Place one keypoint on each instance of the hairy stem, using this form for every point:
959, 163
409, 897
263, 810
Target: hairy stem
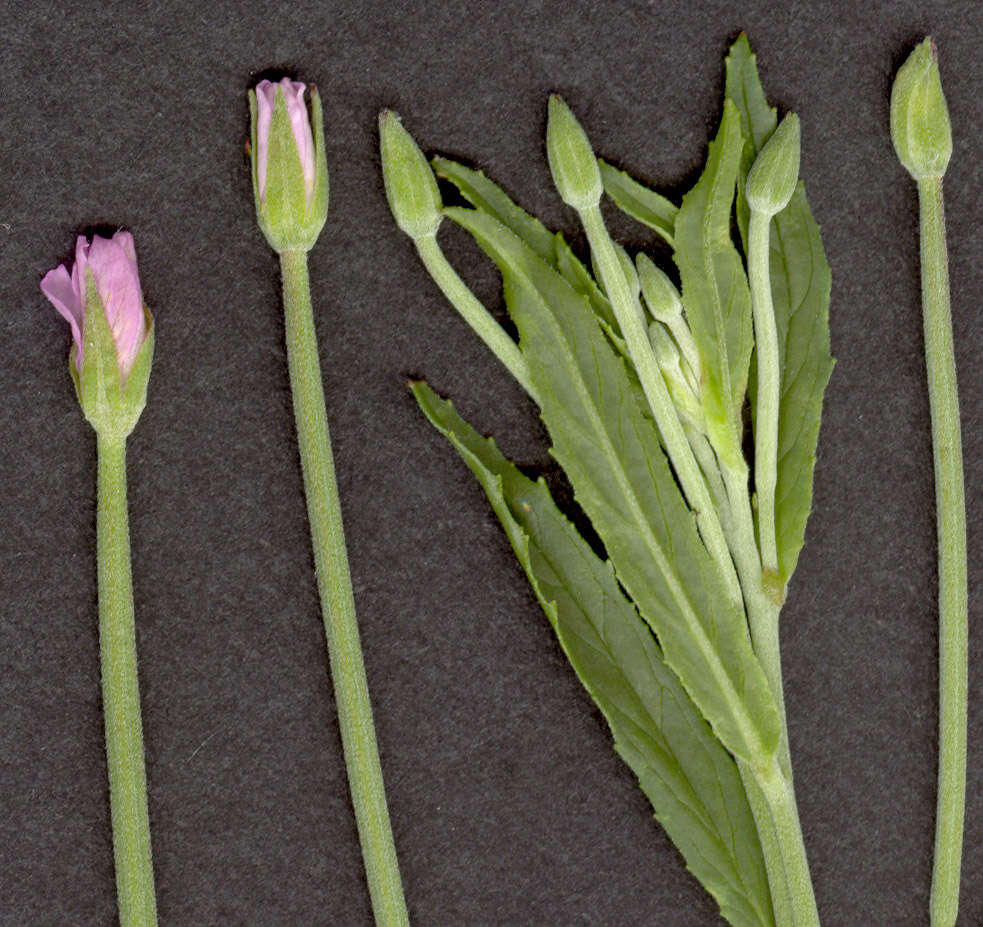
337, 600
778, 796
951, 525
121, 693
768, 387
473, 312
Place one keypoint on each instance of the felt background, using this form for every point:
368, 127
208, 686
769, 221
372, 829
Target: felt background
509, 806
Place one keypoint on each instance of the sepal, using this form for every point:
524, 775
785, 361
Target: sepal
111, 405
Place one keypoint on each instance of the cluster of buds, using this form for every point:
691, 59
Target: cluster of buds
673, 344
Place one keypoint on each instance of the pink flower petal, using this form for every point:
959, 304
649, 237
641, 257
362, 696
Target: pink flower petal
59, 288
265, 102
113, 265
300, 122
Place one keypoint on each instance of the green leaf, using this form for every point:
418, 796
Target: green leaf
573, 270
800, 288
714, 284
758, 119
488, 197
622, 479
693, 783
639, 202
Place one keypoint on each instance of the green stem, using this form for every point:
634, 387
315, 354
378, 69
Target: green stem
630, 318
778, 795
473, 312
951, 524
768, 387
762, 611
771, 849
121, 693
337, 601
705, 457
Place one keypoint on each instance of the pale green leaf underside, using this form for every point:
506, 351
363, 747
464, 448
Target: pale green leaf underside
692, 782
621, 478
638, 201
714, 284
800, 285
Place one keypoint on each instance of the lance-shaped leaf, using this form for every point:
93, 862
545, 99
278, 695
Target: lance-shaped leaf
639, 202
692, 782
489, 198
714, 284
621, 478
800, 288
758, 119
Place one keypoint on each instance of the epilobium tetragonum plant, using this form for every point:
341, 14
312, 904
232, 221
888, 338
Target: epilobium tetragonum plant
673, 629
922, 139
113, 344
290, 183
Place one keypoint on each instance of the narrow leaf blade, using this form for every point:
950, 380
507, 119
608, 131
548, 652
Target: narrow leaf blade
693, 783
489, 198
621, 478
800, 287
715, 290
638, 201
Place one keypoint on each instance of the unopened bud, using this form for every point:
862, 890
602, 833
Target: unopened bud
772, 178
670, 362
920, 127
411, 187
572, 163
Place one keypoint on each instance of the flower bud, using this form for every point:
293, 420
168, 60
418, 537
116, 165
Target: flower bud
670, 362
290, 173
665, 305
772, 178
920, 127
411, 187
661, 296
572, 163
112, 330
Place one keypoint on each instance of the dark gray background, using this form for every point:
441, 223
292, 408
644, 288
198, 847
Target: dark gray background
509, 806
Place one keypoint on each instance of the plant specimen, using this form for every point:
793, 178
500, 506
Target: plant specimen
923, 141
671, 616
290, 182
113, 346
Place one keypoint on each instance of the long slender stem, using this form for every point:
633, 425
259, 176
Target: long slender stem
337, 600
473, 312
629, 315
951, 525
121, 693
768, 389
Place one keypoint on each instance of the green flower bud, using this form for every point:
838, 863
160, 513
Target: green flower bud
772, 178
411, 187
665, 305
572, 163
920, 127
681, 392
290, 172
661, 296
